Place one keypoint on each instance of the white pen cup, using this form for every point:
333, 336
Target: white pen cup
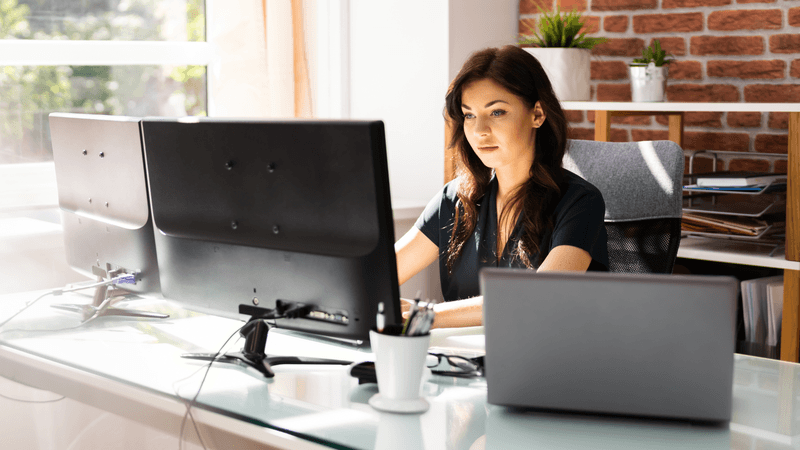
399, 366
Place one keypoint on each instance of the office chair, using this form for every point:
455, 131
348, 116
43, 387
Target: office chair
641, 183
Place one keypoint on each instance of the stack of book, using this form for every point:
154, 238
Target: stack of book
762, 311
752, 216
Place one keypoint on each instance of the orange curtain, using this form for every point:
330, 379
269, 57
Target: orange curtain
302, 83
279, 41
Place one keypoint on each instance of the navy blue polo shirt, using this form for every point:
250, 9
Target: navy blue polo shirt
578, 221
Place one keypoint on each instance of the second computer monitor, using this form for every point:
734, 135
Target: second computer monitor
102, 193
257, 212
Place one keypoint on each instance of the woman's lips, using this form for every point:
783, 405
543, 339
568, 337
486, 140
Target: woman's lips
488, 148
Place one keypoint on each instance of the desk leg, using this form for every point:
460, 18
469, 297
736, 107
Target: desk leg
790, 326
602, 126
676, 128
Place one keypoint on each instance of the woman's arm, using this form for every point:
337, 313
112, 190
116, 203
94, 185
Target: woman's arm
414, 252
469, 312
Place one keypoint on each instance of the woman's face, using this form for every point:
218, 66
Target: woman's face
498, 125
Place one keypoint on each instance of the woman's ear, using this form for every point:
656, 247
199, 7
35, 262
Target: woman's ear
539, 116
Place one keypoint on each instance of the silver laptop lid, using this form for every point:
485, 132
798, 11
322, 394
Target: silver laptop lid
633, 344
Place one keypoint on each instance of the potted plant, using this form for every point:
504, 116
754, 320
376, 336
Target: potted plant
563, 50
649, 74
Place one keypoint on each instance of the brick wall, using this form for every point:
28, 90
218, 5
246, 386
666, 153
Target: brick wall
725, 51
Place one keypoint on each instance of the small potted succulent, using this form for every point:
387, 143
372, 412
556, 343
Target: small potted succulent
563, 50
649, 74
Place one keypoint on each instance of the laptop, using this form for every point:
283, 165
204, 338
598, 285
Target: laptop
629, 344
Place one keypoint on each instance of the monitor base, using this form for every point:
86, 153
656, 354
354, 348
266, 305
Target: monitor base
255, 333
101, 306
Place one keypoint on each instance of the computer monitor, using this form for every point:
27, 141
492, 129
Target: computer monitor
266, 217
105, 211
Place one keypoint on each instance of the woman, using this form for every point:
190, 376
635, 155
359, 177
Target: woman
511, 204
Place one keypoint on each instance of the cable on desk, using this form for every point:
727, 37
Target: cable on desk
126, 278
191, 403
33, 401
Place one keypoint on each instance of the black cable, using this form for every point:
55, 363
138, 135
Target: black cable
191, 403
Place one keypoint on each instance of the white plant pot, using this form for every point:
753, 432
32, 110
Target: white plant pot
569, 70
648, 83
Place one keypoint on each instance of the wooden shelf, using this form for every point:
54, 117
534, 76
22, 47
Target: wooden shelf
734, 252
730, 251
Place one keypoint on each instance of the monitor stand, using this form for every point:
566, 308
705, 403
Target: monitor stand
101, 304
255, 333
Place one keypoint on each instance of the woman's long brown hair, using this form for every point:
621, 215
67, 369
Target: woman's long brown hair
520, 73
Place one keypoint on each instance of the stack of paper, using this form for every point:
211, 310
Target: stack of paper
739, 179
762, 308
716, 223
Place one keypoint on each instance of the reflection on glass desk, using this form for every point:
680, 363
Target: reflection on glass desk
133, 367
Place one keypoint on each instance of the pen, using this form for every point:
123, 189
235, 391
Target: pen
380, 319
412, 312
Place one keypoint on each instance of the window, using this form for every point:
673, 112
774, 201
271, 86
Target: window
120, 57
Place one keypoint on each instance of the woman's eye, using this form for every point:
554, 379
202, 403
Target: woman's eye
468, 116
498, 112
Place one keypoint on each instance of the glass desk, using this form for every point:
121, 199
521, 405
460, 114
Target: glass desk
132, 368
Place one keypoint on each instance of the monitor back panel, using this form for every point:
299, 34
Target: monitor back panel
249, 212
647, 345
102, 193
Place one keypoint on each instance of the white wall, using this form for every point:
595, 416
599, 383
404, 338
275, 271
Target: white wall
398, 73
476, 24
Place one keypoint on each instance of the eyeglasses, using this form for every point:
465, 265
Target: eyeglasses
459, 366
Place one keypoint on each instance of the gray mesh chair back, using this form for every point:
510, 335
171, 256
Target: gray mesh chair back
641, 183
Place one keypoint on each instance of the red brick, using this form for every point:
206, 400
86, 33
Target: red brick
745, 19
698, 140
618, 135
781, 166
669, 4
574, 116
649, 135
570, 5
772, 93
532, 6
615, 24
744, 119
702, 93
778, 120
784, 43
697, 119
621, 5
755, 1
756, 165
674, 46
620, 47
586, 134
726, 45
609, 70
794, 17
702, 165
613, 92
632, 120
772, 143
658, 23
592, 24
794, 69
774, 69
685, 70
527, 26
